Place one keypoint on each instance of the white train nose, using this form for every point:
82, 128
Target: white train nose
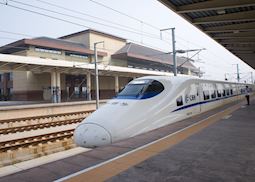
91, 135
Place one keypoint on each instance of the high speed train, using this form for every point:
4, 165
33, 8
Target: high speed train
151, 102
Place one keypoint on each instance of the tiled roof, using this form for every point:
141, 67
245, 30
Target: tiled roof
52, 43
95, 32
145, 53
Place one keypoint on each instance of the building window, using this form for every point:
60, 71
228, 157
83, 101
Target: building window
77, 90
9, 76
52, 51
84, 90
9, 91
82, 56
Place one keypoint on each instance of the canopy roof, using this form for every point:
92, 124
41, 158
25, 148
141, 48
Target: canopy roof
229, 22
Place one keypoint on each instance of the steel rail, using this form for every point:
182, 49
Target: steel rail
35, 140
39, 126
43, 117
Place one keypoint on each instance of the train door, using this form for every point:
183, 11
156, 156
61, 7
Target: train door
199, 96
192, 99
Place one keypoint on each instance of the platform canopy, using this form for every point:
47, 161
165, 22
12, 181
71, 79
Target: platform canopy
229, 22
40, 65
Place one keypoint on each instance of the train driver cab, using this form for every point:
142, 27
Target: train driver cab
141, 89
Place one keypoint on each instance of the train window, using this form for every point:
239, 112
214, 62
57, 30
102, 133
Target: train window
227, 92
141, 89
220, 88
153, 89
179, 101
213, 95
231, 92
224, 93
218, 93
206, 95
133, 89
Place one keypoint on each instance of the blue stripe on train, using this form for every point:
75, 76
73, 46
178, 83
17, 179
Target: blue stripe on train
203, 102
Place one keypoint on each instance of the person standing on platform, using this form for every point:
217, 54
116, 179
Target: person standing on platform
247, 95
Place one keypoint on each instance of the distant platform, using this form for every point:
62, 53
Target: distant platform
217, 145
13, 103
224, 151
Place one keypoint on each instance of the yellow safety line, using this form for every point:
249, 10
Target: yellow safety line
114, 167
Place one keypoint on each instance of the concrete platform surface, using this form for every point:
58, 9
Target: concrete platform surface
200, 155
13, 103
224, 151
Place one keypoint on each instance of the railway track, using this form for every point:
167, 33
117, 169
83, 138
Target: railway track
39, 126
24, 138
35, 140
46, 117
40, 122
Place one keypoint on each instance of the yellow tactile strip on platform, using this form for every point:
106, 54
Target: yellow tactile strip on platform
121, 163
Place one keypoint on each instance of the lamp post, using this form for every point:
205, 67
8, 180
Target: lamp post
96, 73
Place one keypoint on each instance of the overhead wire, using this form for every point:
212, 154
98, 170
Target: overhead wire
28, 35
53, 17
83, 19
8, 32
89, 47
124, 14
7, 38
87, 15
117, 11
42, 14
227, 65
139, 33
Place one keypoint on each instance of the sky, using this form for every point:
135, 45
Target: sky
138, 21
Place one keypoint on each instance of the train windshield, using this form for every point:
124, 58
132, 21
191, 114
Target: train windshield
141, 89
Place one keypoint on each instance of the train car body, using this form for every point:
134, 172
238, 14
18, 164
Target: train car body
151, 102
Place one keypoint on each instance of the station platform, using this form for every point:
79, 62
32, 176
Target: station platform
217, 145
15, 103
224, 151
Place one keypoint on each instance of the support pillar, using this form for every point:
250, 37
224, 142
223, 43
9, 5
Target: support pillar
88, 86
58, 86
117, 85
189, 72
53, 87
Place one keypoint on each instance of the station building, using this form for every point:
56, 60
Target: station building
35, 83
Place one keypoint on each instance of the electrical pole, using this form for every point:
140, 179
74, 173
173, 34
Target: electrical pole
238, 74
173, 46
251, 77
174, 52
96, 73
199, 73
226, 77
